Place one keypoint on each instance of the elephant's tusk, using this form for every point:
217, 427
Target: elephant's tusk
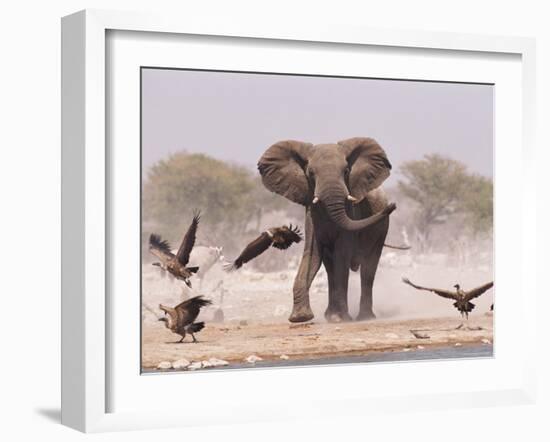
352, 199
315, 200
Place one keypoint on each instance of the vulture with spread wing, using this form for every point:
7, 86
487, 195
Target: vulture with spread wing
461, 297
279, 237
181, 318
176, 264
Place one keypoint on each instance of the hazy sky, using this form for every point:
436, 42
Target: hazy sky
235, 116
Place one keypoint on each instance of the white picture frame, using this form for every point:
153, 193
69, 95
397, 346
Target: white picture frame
85, 212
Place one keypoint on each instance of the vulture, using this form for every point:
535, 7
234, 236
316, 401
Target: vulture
180, 319
176, 264
461, 297
279, 237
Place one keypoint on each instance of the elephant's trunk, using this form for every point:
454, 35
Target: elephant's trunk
334, 201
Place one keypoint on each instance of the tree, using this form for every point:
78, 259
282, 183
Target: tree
443, 189
185, 182
436, 184
231, 198
478, 204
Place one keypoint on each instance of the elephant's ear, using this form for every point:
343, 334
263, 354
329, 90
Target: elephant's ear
368, 163
282, 168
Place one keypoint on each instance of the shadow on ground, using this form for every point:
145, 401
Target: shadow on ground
51, 414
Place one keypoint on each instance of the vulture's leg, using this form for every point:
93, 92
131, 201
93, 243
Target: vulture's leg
309, 266
193, 336
182, 336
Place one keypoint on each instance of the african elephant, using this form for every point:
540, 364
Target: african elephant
346, 218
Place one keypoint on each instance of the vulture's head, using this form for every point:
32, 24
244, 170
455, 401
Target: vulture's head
166, 321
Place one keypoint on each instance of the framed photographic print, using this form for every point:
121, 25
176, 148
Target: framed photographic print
257, 213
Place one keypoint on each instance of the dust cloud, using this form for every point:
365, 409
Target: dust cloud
254, 294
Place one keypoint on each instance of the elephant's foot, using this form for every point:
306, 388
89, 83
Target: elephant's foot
367, 315
301, 314
335, 316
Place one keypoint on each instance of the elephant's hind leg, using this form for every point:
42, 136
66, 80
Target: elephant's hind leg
368, 272
309, 266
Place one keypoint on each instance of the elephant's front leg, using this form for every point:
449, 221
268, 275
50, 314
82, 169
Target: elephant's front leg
309, 266
337, 264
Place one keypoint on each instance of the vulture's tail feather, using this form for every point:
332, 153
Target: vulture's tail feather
195, 327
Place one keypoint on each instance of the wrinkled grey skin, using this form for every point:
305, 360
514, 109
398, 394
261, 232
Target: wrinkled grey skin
339, 234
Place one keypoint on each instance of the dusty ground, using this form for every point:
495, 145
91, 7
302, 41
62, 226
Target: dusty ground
235, 342
256, 306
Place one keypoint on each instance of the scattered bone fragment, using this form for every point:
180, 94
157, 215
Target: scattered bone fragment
181, 364
195, 365
419, 335
252, 359
215, 362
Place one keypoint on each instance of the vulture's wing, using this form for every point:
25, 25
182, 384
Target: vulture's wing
160, 248
170, 312
165, 309
188, 240
285, 236
194, 302
189, 310
478, 291
440, 292
253, 249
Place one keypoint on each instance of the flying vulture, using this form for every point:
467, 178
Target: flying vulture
279, 237
180, 319
461, 297
176, 264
